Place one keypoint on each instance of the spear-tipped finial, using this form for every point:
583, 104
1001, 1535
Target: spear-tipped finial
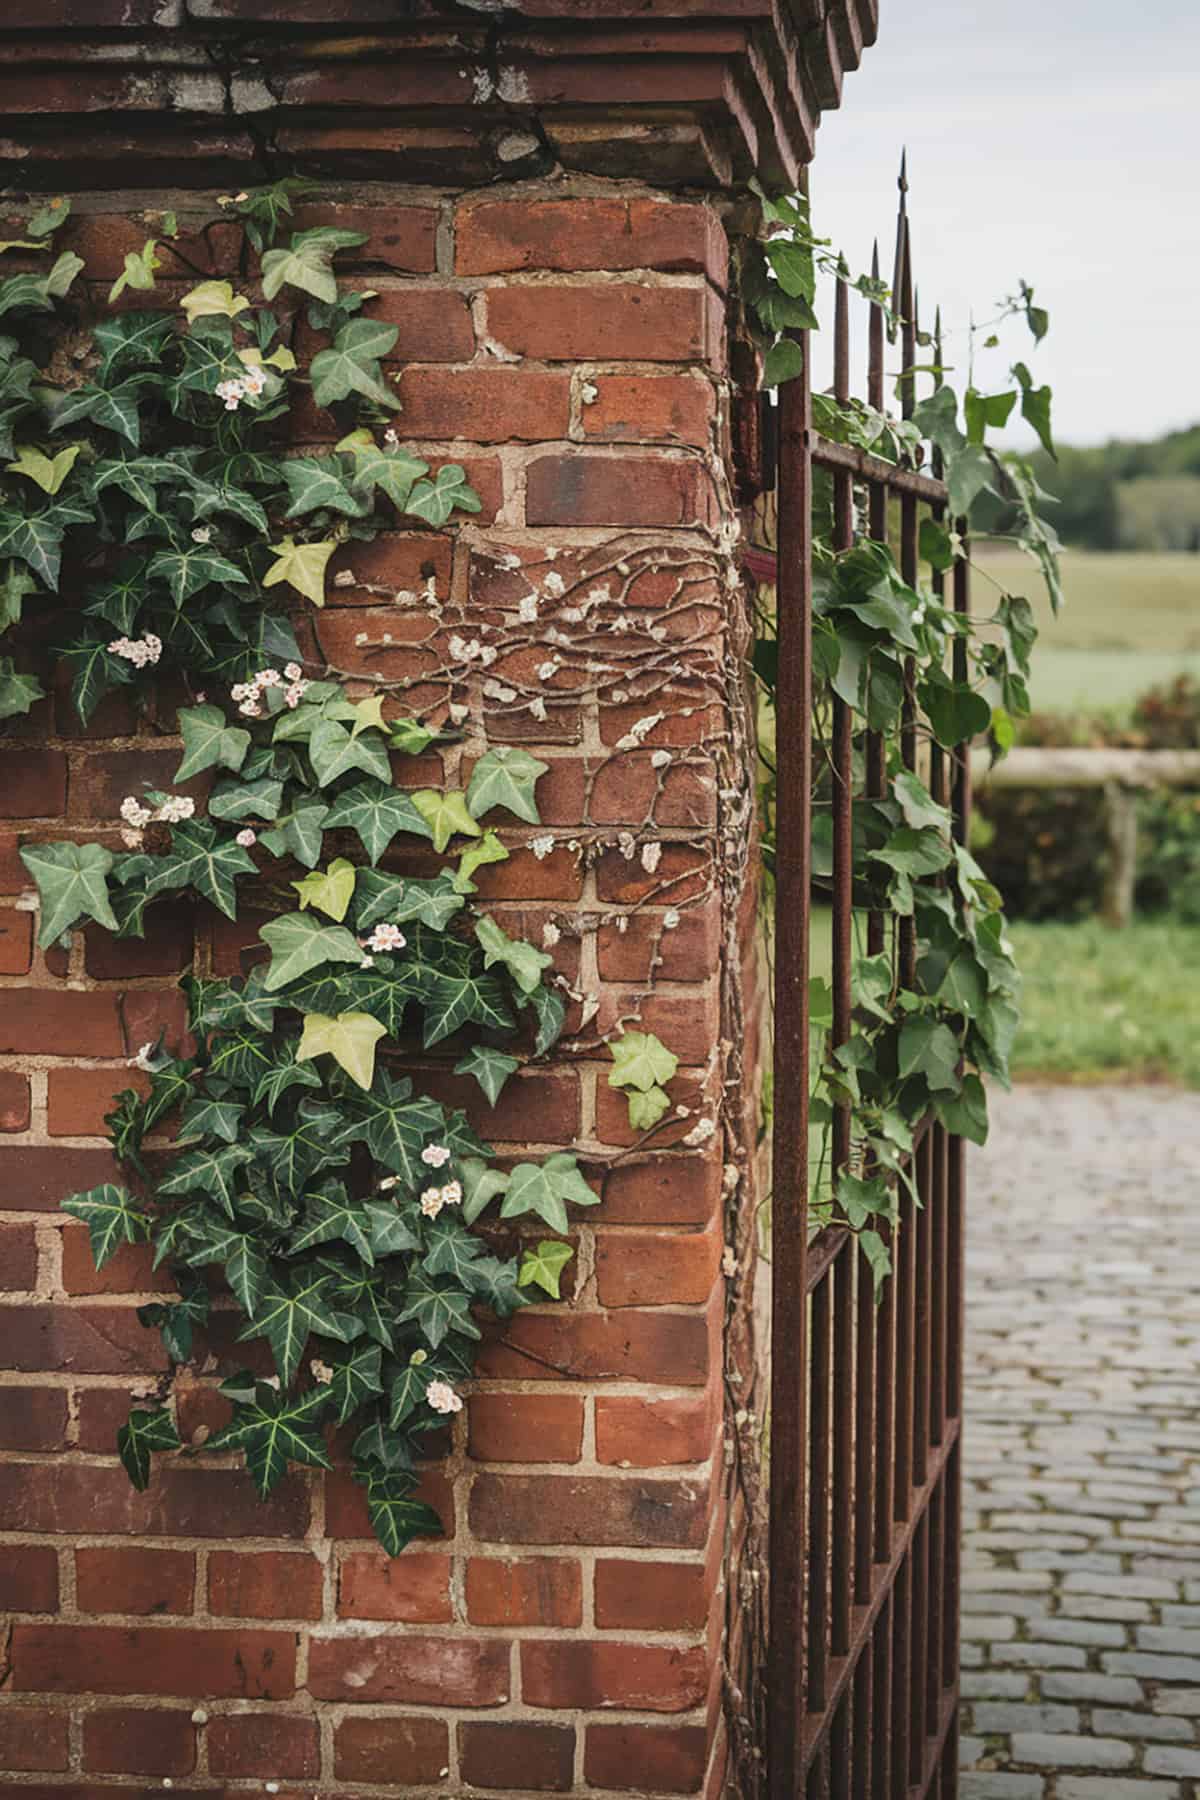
875, 260
902, 182
937, 338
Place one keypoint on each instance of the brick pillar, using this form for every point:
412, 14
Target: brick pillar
563, 334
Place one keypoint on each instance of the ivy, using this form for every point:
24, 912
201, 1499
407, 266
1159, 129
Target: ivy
336, 1201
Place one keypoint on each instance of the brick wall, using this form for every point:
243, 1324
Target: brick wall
566, 341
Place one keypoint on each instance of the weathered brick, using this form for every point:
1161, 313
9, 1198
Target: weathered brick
95, 1340
537, 1590
101, 779
668, 409
72, 1498
501, 236
485, 406
16, 941
264, 1744
14, 1101
33, 1738
662, 1190
648, 1268
525, 1428
399, 237
414, 1588
554, 1509
18, 1258
101, 1659
145, 1741
661, 1759
415, 1671
166, 948
374, 1750
33, 784
575, 488
37, 1177
644, 1677
129, 1270
264, 1584
668, 1348
33, 1418
656, 1431
28, 1579
651, 1596
78, 1099
580, 322
518, 1755
134, 1580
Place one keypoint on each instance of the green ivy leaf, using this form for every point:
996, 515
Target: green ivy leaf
187, 571
390, 472
330, 1215
491, 1069
640, 1061
302, 566
37, 541
646, 1107
523, 962
307, 262
300, 833
506, 777
209, 1172
437, 1308
206, 1115
315, 481
1035, 408
350, 1039
396, 1518
435, 500
397, 899
929, 1048
72, 884
200, 859
18, 693
237, 800
299, 943
112, 1219
377, 811
481, 1186
329, 890
489, 849
291, 1310
965, 1114
49, 473
351, 365
543, 1266
446, 814
334, 751
545, 1188
209, 741
275, 1429
955, 714
456, 1000
355, 1380
450, 1249
142, 1434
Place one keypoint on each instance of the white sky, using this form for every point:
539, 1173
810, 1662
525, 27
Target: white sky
1058, 140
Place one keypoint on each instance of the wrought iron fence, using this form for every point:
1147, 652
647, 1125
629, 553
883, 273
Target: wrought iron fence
865, 1398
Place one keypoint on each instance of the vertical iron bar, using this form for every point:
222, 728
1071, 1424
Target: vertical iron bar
937, 1325
921, 1313
901, 1671
864, 1722
881, 1658
877, 511
918, 1558
786, 1682
820, 1441
933, 1655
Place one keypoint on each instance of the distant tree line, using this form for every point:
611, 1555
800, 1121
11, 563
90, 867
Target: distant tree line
1122, 495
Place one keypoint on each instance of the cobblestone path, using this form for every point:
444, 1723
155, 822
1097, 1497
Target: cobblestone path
1081, 1651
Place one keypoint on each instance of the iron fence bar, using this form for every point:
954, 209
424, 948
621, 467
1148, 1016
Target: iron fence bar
819, 1469
909, 482
789, 1230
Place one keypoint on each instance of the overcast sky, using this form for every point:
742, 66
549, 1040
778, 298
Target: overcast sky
1058, 140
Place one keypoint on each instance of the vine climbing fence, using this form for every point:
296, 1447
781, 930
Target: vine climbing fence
866, 1390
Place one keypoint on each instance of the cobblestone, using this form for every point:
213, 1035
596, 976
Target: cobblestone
1082, 1450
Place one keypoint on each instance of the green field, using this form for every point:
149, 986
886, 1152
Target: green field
1131, 621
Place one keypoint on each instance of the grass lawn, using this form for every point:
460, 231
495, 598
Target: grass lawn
1100, 1005
1131, 621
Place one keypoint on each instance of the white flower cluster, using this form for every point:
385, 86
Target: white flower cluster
442, 1397
435, 1156
385, 937
248, 694
246, 837
434, 1198
171, 811
138, 651
250, 385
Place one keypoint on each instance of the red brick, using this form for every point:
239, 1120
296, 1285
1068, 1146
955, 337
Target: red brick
683, 718
71, 1498
417, 1671
414, 1588
107, 1659
399, 237
498, 236
135, 1581
656, 1759
485, 406
102, 778
33, 784
650, 1268
166, 948
434, 324
670, 409
28, 1579
628, 790
525, 1428
346, 1513
143, 1741
32, 1737
573, 488
687, 1091
102, 1412
537, 1106
690, 951
79, 1098
646, 1596
540, 1758
57, 1023
264, 1584
592, 322
129, 1271
376, 1750
669, 1348
14, 1101
18, 1258
656, 1432
266, 1744
589, 1509
538, 1590
33, 1418
643, 1677
106, 1341
16, 941
36, 1178
401, 562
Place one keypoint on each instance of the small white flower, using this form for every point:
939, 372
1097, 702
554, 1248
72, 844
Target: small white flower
133, 812
293, 695
452, 1194
250, 709
293, 671
144, 1058
368, 962
435, 1156
246, 838
386, 937
254, 381
202, 534
132, 838
391, 438
388, 1183
269, 678
231, 392
432, 1202
442, 1397
175, 808
321, 1371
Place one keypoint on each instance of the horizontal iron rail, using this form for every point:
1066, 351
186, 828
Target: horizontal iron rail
828, 455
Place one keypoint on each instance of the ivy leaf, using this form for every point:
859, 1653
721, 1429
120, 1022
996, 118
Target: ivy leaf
543, 1266
396, 1518
917, 804
330, 890
390, 1232
299, 833
496, 1283
450, 1249
545, 1188
209, 741
18, 693
137, 337
506, 777
350, 1039
209, 1172
205, 1115
296, 1153
245, 1262
935, 545
48, 472
299, 943
445, 813
279, 1078
1035, 408
259, 799
937, 419
143, 1433
410, 737
71, 883
982, 410
213, 299
481, 1185
550, 1010
139, 270
200, 859
640, 1061
389, 472
307, 262
314, 481
112, 1219
437, 1308
646, 1107
330, 1214
455, 1000
290, 1311
187, 571
399, 899
955, 713
965, 1114
435, 500
334, 751
37, 541
47, 218
491, 1069
275, 1429
302, 566
523, 962
351, 366
489, 849
15, 585
929, 1048
354, 1381
397, 1127
377, 811
408, 1389
968, 472
783, 361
